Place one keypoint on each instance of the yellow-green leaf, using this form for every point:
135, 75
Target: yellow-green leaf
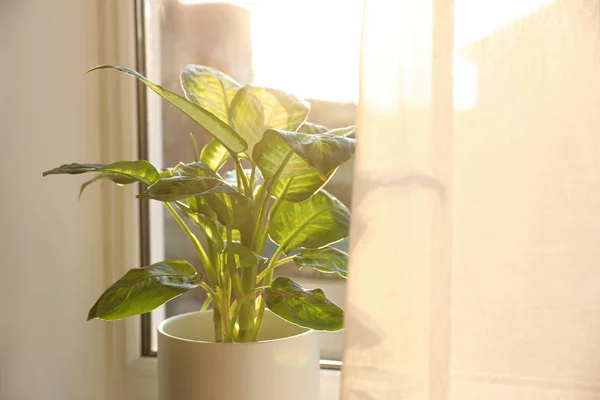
307, 308
313, 223
141, 290
210, 88
256, 109
211, 123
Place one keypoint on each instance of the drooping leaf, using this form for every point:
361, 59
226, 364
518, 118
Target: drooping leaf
231, 176
181, 187
195, 169
309, 127
205, 195
141, 290
209, 88
326, 259
305, 153
323, 151
232, 208
272, 153
208, 225
119, 180
318, 221
214, 154
199, 205
307, 308
256, 109
74, 169
243, 256
121, 172
211, 123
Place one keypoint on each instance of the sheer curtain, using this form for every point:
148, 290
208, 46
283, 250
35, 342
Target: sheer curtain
475, 246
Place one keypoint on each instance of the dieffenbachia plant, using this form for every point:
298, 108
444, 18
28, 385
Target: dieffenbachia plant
279, 194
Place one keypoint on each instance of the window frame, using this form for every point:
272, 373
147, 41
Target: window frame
145, 143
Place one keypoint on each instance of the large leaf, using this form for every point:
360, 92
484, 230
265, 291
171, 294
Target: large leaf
209, 88
231, 176
219, 199
273, 154
323, 151
141, 290
181, 187
300, 187
232, 208
307, 308
243, 256
211, 123
214, 154
348, 131
208, 225
304, 153
195, 169
326, 259
205, 195
256, 109
122, 172
309, 127
316, 222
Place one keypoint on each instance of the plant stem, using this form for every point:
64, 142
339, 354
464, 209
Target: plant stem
267, 281
240, 174
227, 333
272, 212
233, 274
279, 263
216, 312
195, 242
206, 303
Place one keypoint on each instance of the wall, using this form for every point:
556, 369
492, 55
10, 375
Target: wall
51, 245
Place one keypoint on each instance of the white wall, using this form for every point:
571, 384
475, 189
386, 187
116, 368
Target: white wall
51, 247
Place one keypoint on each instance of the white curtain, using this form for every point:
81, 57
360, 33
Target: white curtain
475, 245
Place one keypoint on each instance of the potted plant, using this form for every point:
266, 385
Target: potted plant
280, 163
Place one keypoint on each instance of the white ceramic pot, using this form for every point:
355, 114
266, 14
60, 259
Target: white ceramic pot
282, 365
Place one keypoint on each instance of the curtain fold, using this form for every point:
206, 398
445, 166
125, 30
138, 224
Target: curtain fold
475, 240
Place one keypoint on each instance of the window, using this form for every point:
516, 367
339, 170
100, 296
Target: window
254, 42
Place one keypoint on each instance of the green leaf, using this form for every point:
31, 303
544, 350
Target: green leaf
309, 127
206, 195
307, 308
301, 187
231, 176
323, 151
209, 88
181, 187
271, 153
313, 223
233, 209
214, 154
256, 109
195, 169
119, 180
326, 259
208, 225
121, 172
211, 123
74, 169
243, 256
141, 290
